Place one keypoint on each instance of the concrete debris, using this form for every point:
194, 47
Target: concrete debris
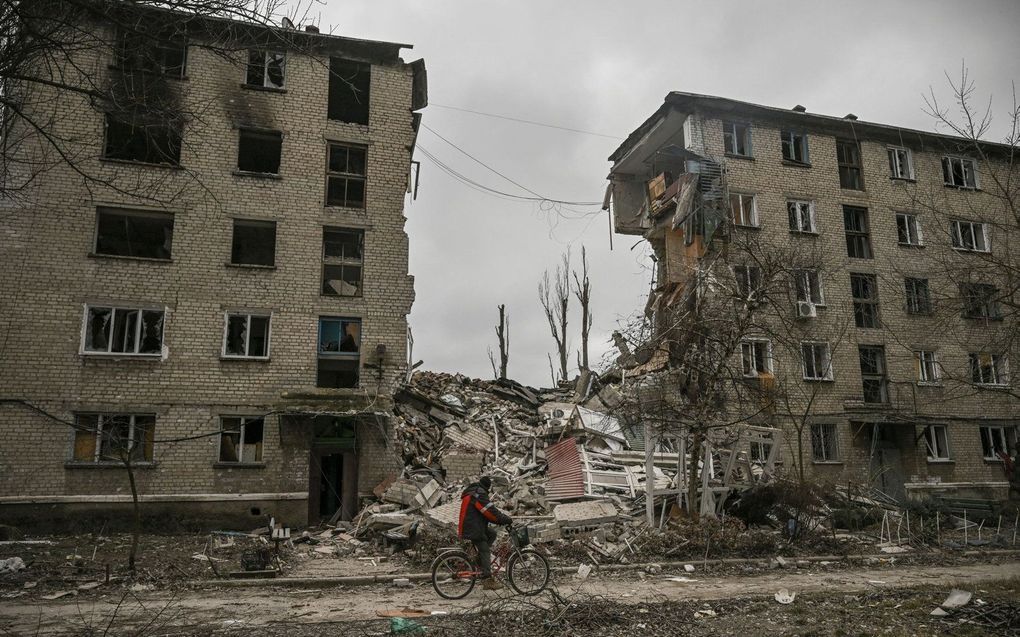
11, 565
585, 514
785, 597
957, 598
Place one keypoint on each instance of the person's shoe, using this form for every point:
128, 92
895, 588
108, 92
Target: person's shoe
492, 584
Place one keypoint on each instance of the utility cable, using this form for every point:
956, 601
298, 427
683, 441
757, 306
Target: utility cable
525, 121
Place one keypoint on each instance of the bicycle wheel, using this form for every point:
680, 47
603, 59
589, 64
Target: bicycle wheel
453, 575
528, 572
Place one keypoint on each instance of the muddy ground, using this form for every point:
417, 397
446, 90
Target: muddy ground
891, 598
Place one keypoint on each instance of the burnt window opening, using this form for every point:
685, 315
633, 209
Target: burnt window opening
874, 378
109, 438
151, 53
246, 335
241, 439
345, 178
123, 331
349, 89
134, 233
254, 243
342, 260
149, 143
858, 234
339, 352
259, 151
864, 289
848, 156
266, 69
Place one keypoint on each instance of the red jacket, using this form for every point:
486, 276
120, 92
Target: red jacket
476, 512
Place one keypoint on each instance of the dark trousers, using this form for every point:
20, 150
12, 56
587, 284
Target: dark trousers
484, 548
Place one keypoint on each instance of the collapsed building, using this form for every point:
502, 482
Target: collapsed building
881, 346
213, 286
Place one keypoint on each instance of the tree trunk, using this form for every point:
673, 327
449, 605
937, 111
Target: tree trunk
694, 476
503, 333
136, 527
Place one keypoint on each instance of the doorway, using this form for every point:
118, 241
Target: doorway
887, 461
332, 484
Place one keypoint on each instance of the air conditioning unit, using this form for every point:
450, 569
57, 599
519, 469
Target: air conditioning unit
806, 309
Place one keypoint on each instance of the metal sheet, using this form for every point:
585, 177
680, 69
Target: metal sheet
565, 473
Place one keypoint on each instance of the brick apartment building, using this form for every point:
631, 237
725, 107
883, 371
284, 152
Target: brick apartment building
223, 301
889, 333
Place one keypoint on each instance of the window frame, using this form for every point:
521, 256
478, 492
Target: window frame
842, 165
98, 459
343, 262
895, 168
264, 134
243, 422
748, 281
249, 314
804, 276
141, 309
911, 287
251, 223
128, 213
174, 136
1007, 435
731, 130
347, 176
795, 215
866, 307
968, 168
997, 363
935, 450
880, 375
852, 236
827, 374
265, 53
825, 432
130, 39
321, 354
983, 297
911, 222
929, 370
789, 138
361, 67
749, 215
956, 235
749, 346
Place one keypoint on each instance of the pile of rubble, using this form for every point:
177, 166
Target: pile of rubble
562, 460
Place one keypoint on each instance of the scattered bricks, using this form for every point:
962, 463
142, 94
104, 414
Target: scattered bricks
462, 466
585, 514
444, 516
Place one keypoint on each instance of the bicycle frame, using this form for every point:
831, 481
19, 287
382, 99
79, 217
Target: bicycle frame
500, 556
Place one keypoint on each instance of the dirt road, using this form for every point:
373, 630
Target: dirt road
223, 609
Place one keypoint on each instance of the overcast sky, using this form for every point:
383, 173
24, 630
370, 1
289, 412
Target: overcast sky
604, 67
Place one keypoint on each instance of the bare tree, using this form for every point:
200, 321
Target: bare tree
555, 299
582, 290
503, 334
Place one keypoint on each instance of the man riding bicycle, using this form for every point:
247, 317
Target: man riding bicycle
476, 513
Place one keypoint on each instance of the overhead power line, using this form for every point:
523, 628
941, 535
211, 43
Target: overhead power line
526, 121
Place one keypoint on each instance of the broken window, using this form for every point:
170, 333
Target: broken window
246, 335
996, 441
134, 233
254, 242
795, 147
817, 360
918, 296
969, 235
339, 352
824, 442
137, 51
241, 439
118, 330
960, 172
864, 289
108, 438
737, 139
266, 69
858, 235
802, 216
848, 156
149, 143
342, 255
760, 451
349, 90
743, 210
988, 369
345, 180
808, 287
908, 229
927, 367
259, 151
748, 279
756, 357
980, 301
901, 163
936, 440
874, 379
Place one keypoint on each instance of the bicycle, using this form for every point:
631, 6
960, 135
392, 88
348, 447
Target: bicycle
455, 570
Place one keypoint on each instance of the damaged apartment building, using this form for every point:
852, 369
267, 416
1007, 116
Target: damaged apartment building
214, 287
874, 263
